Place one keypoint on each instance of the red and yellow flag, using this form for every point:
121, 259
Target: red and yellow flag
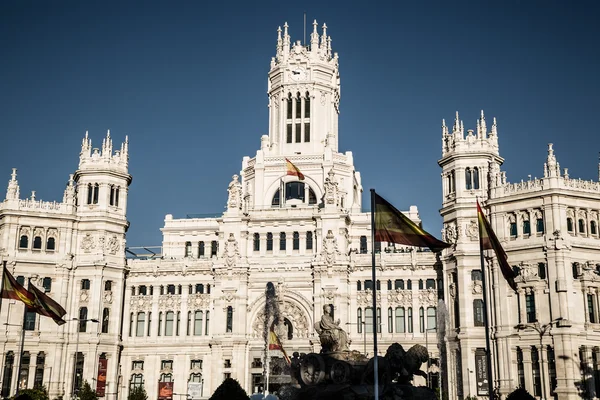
45, 306
11, 289
394, 227
489, 241
275, 344
293, 170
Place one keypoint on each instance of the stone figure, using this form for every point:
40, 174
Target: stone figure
333, 338
235, 194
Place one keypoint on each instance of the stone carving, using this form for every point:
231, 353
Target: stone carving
289, 311
528, 272
450, 233
365, 297
330, 248
228, 295
139, 303
428, 297
24, 231
113, 245
198, 301
473, 230
400, 297
323, 98
559, 242
168, 302
333, 338
87, 243
108, 297
477, 288
331, 189
589, 271
329, 293
231, 252
235, 194
38, 232
84, 296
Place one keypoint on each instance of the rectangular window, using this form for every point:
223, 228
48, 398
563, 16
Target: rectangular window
298, 107
591, 308
29, 322
410, 320
296, 241
309, 240
214, 248
513, 229
530, 307
289, 133
307, 131
141, 321
431, 318
390, 320
269, 241
400, 322
282, 241
478, 315
307, 106
539, 225
85, 284
421, 320
47, 284
200, 249
368, 284
535, 369
369, 320
170, 315
526, 228
298, 133
198, 316
363, 245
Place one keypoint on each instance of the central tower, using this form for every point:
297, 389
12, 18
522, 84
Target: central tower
304, 95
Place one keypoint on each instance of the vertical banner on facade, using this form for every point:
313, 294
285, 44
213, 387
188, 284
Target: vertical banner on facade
165, 390
481, 378
194, 390
101, 380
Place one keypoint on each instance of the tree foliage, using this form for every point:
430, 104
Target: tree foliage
86, 392
520, 394
37, 393
137, 393
230, 389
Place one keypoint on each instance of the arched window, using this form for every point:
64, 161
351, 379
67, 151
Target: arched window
289, 107
309, 240
298, 106
177, 323
24, 242
276, 199
296, 241
229, 327
269, 241
130, 324
96, 191
83, 314
137, 381
431, 318
160, 318
199, 288
188, 249
570, 224
195, 378
369, 319
408, 284
200, 249
170, 289
526, 228
475, 178
400, 321
478, 315
206, 323
50, 244
256, 242
142, 290
282, 241
420, 284
105, 320
421, 319
593, 228
581, 229
169, 317
468, 179
90, 193
363, 245
141, 322
214, 248
389, 284
312, 197
359, 320
307, 105
410, 320
149, 322
198, 323
390, 320
539, 225
37, 242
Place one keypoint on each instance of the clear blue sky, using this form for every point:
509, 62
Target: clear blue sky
187, 82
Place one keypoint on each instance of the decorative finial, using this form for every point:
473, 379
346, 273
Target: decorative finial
13, 176
285, 29
279, 32
108, 133
315, 26
456, 126
33, 195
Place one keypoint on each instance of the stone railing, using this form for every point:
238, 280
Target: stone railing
523, 186
37, 205
580, 184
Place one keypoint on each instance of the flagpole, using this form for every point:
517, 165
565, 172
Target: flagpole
22, 340
2, 283
488, 354
373, 273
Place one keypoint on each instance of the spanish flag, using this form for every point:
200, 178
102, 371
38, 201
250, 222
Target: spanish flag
293, 170
11, 289
394, 227
489, 241
47, 307
275, 344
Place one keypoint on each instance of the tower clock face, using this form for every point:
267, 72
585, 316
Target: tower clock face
298, 74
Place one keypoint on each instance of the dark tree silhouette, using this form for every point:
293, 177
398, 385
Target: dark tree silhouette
230, 389
520, 394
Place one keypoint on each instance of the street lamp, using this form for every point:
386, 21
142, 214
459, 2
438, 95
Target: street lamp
541, 330
75, 388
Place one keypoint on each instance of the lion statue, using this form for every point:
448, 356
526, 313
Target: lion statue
397, 365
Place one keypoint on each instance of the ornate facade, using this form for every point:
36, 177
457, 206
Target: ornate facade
545, 336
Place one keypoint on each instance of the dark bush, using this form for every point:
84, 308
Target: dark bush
230, 389
520, 394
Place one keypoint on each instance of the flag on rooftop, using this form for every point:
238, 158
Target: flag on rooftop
293, 170
393, 226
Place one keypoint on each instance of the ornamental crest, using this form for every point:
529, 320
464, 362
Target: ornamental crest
428, 297
198, 301
113, 245
400, 297
473, 230
87, 243
365, 297
168, 302
450, 233
330, 248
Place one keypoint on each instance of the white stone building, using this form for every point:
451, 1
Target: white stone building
548, 227
193, 312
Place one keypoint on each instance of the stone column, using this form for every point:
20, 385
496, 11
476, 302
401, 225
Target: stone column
527, 369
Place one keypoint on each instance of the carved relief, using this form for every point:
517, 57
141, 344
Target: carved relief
84, 296
87, 243
139, 303
108, 297
198, 301
228, 295
477, 288
234, 194
292, 313
231, 252
473, 230
331, 189
400, 297
169, 302
428, 297
330, 248
365, 298
113, 245
450, 233
38, 232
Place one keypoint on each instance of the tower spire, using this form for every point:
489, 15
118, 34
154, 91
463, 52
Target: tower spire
456, 126
286, 41
314, 38
12, 192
